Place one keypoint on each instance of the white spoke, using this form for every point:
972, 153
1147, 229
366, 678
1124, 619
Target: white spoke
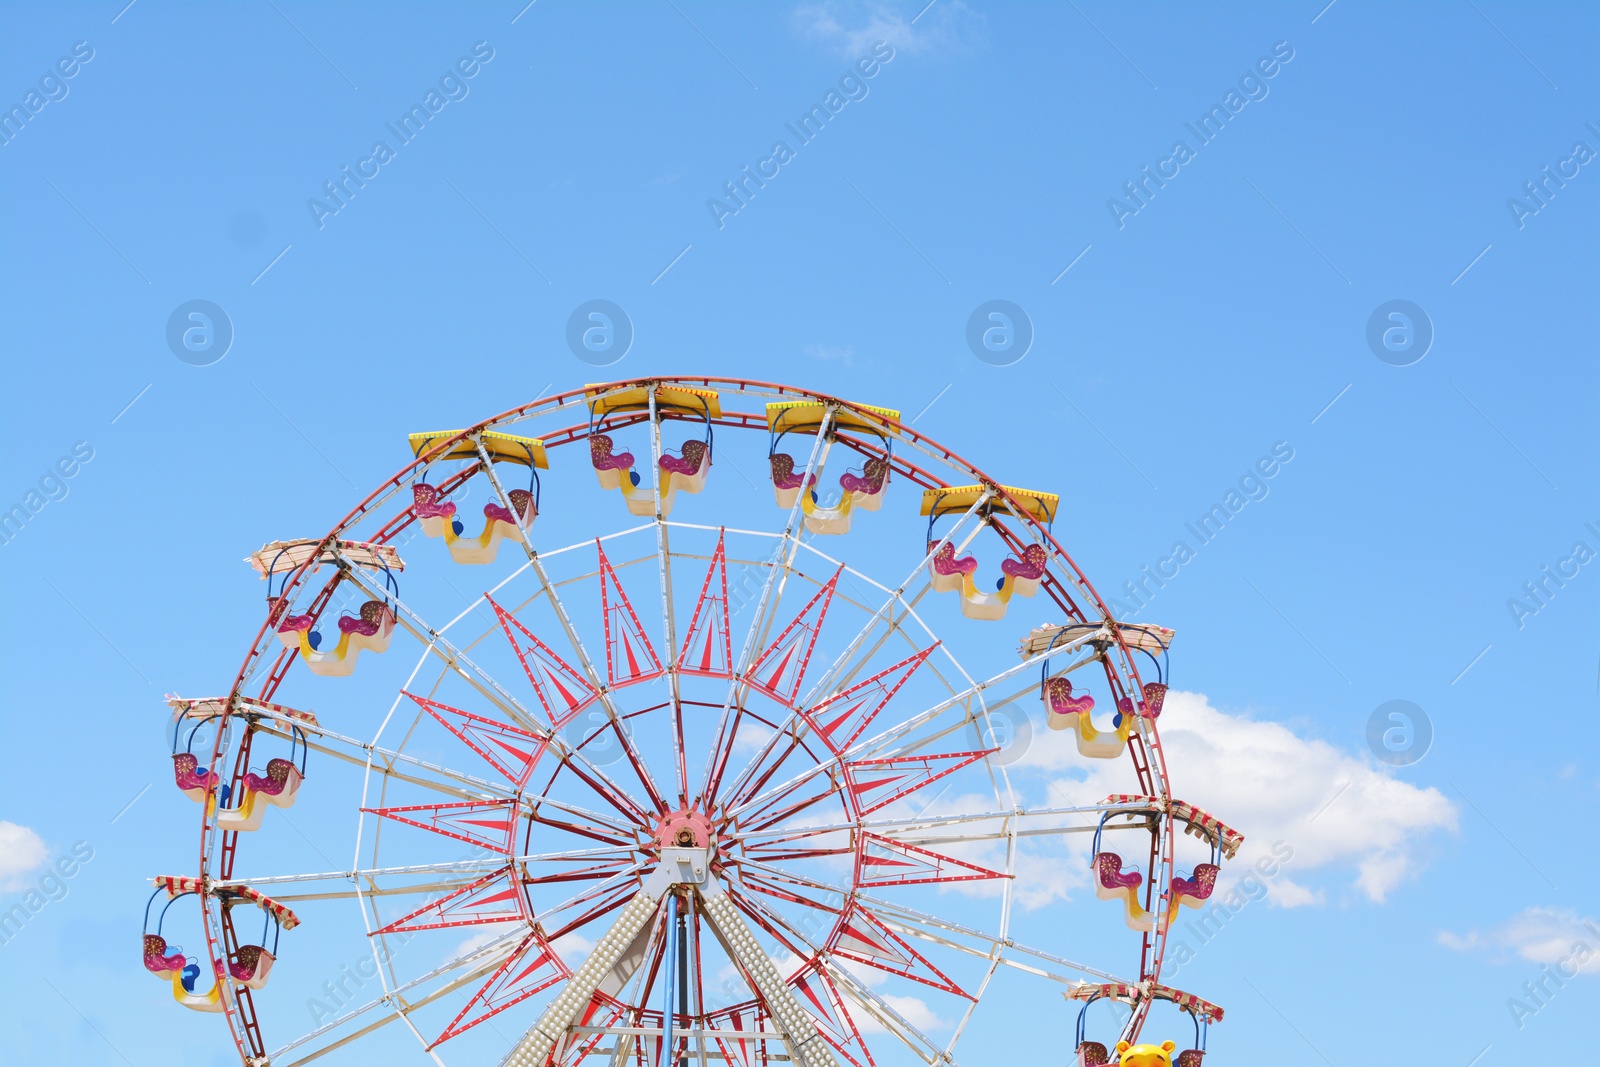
1011, 825
487, 863
487, 958
875, 747
492, 690
766, 608
668, 622
917, 924
885, 1014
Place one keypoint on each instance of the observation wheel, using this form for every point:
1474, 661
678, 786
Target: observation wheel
699, 749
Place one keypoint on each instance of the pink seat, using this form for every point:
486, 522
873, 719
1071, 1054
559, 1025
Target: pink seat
945, 562
1031, 566
1155, 694
275, 780
521, 502
694, 454
156, 959
296, 623
374, 613
189, 775
1108, 869
1092, 1054
783, 475
1060, 701
1200, 885
251, 965
870, 481
425, 502
601, 456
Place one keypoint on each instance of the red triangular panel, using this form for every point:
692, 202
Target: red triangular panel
489, 825
509, 749
562, 691
530, 968
885, 862
629, 655
873, 943
877, 783
708, 644
741, 1051
820, 997
842, 717
780, 670
494, 898
602, 1011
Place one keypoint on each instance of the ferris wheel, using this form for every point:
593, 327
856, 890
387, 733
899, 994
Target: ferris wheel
659, 767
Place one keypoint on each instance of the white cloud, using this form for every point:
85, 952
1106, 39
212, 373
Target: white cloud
573, 949
913, 1010
1041, 876
1540, 935
852, 28
1335, 810
830, 353
21, 853
477, 941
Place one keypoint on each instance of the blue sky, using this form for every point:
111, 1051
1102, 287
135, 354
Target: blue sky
1216, 320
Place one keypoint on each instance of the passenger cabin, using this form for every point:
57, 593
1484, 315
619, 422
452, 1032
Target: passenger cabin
681, 468
370, 629
1021, 573
249, 965
505, 518
861, 488
1087, 1053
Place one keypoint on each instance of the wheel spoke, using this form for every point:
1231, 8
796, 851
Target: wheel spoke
469, 672
394, 1004
877, 747
837, 676
766, 607
668, 621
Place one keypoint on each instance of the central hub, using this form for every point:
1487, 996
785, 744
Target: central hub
685, 828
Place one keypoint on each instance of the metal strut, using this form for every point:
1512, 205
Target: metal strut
691, 868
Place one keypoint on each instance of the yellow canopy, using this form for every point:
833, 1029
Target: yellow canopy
504, 447
1038, 506
792, 415
674, 398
